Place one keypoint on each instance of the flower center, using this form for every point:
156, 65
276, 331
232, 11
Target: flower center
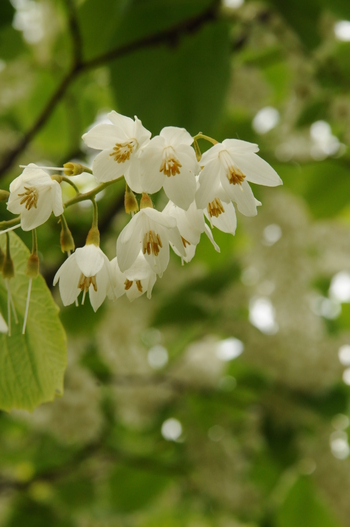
122, 151
185, 242
30, 197
151, 243
233, 174
86, 281
215, 208
170, 164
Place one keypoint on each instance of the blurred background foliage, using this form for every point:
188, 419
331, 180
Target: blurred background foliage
223, 401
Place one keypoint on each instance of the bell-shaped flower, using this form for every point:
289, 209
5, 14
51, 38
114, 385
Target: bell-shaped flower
136, 281
169, 161
87, 270
149, 231
34, 195
120, 143
191, 225
234, 163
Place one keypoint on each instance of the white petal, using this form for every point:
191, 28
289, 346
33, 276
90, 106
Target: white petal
133, 175
139, 270
129, 243
181, 188
123, 125
243, 196
257, 170
90, 259
102, 284
211, 238
211, 154
103, 136
175, 136
118, 278
56, 199
105, 168
32, 218
68, 276
175, 239
158, 217
151, 176
208, 183
159, 263
3, 326
226, 221
141, 134
237, 146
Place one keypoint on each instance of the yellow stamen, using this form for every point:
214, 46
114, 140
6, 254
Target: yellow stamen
170, 164
139, 286
127, 284
30, 198
215, 208
235, 176
86, 281
122, 151
185, 242
151, 243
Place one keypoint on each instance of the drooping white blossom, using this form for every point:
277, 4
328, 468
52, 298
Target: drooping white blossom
234, 163
120, 143
34, 195
191, 225
87, 270
134, 282
149, 231
169, 161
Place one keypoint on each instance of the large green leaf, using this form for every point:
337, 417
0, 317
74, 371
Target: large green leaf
31, 365
183, 84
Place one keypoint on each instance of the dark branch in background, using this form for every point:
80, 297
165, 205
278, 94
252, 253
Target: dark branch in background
80, 66
75, 32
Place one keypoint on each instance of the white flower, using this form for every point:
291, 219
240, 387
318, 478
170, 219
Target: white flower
34, 195
169, 161
120, 143
149, 231
87, 270
136, 281
234, 163
191, 225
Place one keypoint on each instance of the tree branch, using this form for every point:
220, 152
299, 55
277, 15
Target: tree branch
169, 35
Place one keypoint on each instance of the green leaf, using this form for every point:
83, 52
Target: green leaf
96, 31
302, 17
183, 84
31, 365
304, 508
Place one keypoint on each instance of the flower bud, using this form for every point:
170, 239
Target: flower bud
145, 201
93, 237
8, 269
4, 195
32, 269
130, 201
74, 169
66, 238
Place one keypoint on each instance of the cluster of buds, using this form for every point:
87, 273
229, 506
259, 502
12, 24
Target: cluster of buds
203, 191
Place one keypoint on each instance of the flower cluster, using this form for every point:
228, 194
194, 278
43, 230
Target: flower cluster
203, 191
